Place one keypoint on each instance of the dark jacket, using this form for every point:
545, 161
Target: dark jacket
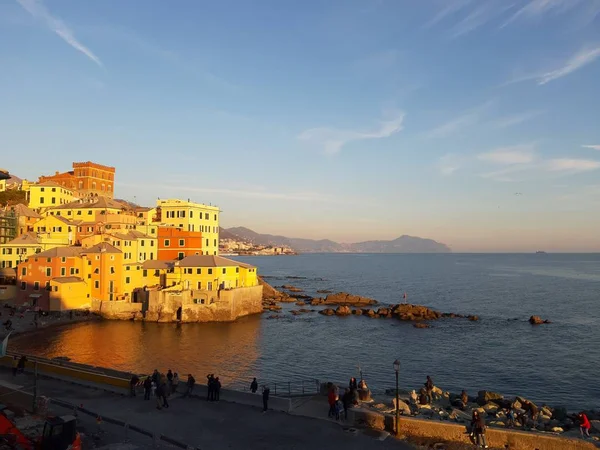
148, 383
254, 386
191, 381
170, 375
478, 424
266, 393
160, 390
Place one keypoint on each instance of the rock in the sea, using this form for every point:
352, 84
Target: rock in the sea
357, 312
316, 301
291, 288
323, 291
304, 310
402, 406
384, 312
473, 318
300, 303
327, 312
421, 325
343, 310
287, 299
537, 320
405, 311
369, 312
484, 397
294, 312
343, 298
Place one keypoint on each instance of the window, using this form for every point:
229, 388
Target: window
23, 285
89, 212
180, 255
237, 270
78, 213
127, 280
48, 259
112, 257
36, 285
145, 273
41, 199
191, 214
215, 217
23, 271
199, 284
207, 244
143, 243
182, 242
53, 200
198, 271
210, 271
152, 242
73, 271
215, 243
97, 284
127, 268
63, 271
47, 287
55, 288
48, 271
151, 255
53, 189
112, 269
63, 259
167, 242
42, 189
224, 270
206, 216
209, 287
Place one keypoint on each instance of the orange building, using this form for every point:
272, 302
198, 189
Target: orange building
87, 178
175, 243
34, 274
104, 271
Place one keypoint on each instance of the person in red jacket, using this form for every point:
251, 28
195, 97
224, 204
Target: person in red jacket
584, 425
332, 399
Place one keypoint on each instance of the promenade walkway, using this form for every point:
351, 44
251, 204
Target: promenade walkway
215, 425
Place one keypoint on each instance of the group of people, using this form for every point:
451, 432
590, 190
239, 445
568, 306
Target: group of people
214, 388
348, 400
265, 393
161, 386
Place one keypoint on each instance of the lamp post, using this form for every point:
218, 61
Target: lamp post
397, 370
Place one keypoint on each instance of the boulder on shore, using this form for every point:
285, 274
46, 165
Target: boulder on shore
384, 312
484, 397
291, 288
324, 291
316, 301
300, 303
357, 312
343, 298
343, 310
269, 292
327, 312
473, 318
537, 320
402, 407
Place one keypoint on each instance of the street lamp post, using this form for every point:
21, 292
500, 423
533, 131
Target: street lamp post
397, 370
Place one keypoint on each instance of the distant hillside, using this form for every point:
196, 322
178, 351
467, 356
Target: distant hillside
404, 244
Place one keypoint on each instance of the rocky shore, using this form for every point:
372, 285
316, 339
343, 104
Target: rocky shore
25, 322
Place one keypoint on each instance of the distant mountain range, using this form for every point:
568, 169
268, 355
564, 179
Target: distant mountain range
403, 244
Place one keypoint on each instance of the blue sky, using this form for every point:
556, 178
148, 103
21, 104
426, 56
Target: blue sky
350, 120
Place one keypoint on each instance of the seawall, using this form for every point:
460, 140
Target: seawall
186, 306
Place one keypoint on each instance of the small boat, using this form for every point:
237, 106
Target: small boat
539, 252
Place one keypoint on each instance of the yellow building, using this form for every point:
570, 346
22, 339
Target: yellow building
192, 216
137, 247
47, 195
92, 209
68, 293
17, 250
26, 216
55, 231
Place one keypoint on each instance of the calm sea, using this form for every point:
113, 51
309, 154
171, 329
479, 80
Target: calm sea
556, 363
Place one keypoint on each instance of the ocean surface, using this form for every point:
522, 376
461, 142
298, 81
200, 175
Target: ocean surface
556, 364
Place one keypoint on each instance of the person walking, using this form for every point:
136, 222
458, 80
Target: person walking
210, 379
164, 394
217, 389
155, 376
147, 388
478, 430
254, 386
265, 394
175, 382
191, 381
584, 425
133, 384
169, 382
159, 395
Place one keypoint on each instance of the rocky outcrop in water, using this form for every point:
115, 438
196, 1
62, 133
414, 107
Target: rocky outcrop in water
343, 298
537, 320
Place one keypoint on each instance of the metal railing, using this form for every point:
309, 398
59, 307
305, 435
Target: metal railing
280, 388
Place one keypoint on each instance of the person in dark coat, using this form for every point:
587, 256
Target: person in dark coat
147, 388
169, 382
429, 388
210, 384
254, 386
191, 381
478, 430
265, 394
133, 384
353, 384
156, 377
217, 389
348, 402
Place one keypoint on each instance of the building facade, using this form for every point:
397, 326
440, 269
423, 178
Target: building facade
175, 243
88, 179
192, 216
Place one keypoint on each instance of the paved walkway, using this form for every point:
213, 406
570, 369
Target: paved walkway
212, 426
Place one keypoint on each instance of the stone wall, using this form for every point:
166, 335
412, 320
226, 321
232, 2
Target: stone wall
167, 305
445, 431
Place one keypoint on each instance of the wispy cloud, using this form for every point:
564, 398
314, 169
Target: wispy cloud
334, 139
516, 119
576, 62
571, 165
449, 164
539, 8
39, 11
304, 196
462, 121
506, 174
478, 17
593, 147
516, 154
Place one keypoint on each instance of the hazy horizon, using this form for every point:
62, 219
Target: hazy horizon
472, 123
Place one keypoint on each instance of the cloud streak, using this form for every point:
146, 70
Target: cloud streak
39, 11
465, 120
334, 139
518, 154
516, 119
593, 147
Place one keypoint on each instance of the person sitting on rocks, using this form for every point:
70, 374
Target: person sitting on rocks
363, 385
464, 399
530, 414
423, 396
584, 425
